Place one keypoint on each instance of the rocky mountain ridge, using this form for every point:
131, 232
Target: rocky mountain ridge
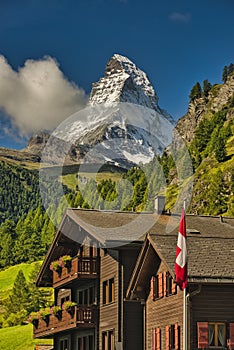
122, 122
218, 97
124, 82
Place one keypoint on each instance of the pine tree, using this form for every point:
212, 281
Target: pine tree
230, 68
225, 74
196, 91
206, 87
7, 238
18, 299
220, 148
38, 297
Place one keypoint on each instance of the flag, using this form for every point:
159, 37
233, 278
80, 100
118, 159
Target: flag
181, 255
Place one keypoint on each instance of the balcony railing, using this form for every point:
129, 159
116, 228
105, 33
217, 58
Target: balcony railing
81, 267
80, 317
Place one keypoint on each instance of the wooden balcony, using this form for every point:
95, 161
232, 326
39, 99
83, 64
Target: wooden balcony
81, 317
85, 267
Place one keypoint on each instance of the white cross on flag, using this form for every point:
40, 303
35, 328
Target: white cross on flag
181, 255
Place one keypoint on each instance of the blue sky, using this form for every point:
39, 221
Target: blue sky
177, 43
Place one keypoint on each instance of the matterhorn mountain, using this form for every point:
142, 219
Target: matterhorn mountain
124, 82
122, 124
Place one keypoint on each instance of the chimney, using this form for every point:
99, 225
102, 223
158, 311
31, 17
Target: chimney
159, 204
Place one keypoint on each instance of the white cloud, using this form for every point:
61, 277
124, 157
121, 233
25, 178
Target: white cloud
180, 17
38, 95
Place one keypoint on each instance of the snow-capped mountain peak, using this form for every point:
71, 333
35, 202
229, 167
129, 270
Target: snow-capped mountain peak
122, 122
124, 82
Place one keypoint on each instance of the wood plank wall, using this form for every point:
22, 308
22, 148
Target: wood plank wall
163, 312
214, 303
109, 268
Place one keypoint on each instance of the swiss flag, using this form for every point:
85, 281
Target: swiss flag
181, 255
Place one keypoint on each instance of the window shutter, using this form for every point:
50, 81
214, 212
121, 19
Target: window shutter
153, 338
173, 287
158, 339
167, 337
202, 335
231, 336
160, 285
152, 287
165, 283
177, 336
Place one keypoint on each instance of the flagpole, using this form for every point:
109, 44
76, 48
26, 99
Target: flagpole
185, 315
185, 322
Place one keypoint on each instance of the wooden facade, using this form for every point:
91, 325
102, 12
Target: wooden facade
163, 311
125, 293
96, 280
209, 295
212, 304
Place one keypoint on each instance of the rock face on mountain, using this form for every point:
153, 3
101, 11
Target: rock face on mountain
37, 142
122, 117
124, 82
218, 97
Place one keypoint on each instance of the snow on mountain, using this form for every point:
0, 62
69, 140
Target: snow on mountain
124, 82
122, 122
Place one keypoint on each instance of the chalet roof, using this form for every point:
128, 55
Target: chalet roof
115, 228
210, 245
209, 257
129, 226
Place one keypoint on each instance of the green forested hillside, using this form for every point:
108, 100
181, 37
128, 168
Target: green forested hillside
26, 230
19, 191
212, 155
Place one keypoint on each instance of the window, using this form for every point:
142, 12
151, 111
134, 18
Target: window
92, 250
108, 289
156, 339
171, 287
64, 344
85, 300
86, 296
173, 337
81, 251
162, 285
91, 295
213, 334
217, 334
86, 343
157, 286
108, 340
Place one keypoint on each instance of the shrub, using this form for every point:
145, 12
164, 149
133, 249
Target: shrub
57, 311
65, 261
45, 313
34, 318
55, 266
68, 305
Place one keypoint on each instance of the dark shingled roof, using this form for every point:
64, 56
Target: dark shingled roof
210, 252
210, 239
129, 225
208, 257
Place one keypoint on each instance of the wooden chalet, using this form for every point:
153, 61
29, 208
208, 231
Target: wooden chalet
210, 292
103, 259
122, 279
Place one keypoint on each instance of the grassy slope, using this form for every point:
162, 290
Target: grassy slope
70, 180
7, 277
19, 338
